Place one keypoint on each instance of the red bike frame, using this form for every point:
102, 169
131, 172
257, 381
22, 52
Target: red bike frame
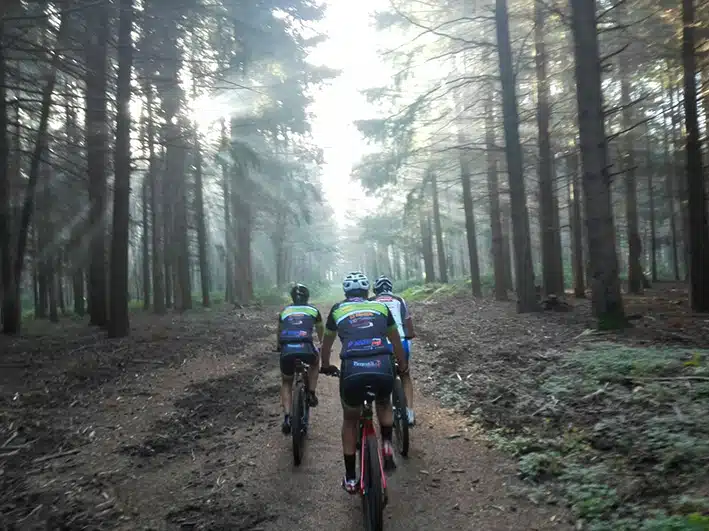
368, 429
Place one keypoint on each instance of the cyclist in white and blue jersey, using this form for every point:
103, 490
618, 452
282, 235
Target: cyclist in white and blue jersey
383, 292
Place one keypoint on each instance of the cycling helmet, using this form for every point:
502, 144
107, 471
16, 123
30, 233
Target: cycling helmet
383, 285
300, 294
355, 281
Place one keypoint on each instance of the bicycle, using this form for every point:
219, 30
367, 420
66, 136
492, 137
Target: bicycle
401, 419
300, 409
400, 407
372, 482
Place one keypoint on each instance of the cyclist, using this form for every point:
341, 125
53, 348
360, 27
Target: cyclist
363, 327
383, 292
295, 341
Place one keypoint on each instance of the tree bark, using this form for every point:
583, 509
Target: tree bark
607, 302
470, 230
577, 252
697, 206
651, 205
442, 268
202, 243
97, 156
635, 270
119, 323
524, 272
552, 266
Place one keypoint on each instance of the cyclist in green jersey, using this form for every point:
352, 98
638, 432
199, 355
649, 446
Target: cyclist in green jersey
366, 361
295, 341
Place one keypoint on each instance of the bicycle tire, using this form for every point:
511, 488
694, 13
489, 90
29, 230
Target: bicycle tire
297, 426
401, 421
373, 496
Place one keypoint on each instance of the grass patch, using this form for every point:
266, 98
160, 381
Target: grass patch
623, 436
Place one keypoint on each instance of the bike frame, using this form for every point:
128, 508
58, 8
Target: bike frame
366, 419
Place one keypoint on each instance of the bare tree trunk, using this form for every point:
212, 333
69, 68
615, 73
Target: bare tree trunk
697, 205
97, 156
201, 224
670, 180
427, 247
577, 251
635, 270
145, 243
651, 206
119, 323
156, 224
443, 270
607, 300
524, 272
12, 311
552, 266
470, 230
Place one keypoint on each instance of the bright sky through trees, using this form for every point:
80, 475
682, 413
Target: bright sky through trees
352, 48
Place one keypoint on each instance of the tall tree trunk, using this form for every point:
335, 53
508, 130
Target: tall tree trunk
78, 291
500, 267
443, 269
13, 311
524, 272
577, 252
97, 156
635, 270
201, 224
681, 182
670, 180
607, 300
698, 226
650, 167
427, 248
145, 243
119, 324
552, 266
156, 224
10, 309
470, 230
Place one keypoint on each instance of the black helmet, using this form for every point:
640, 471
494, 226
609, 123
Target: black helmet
299, 294
383, 285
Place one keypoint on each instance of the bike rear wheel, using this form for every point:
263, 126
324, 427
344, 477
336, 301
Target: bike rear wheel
401, 421
299, 415
373, 495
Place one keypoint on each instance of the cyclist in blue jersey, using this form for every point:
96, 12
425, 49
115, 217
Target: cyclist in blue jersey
364, 327
295, 341
383, 292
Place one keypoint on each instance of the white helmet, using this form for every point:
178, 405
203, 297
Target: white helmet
355, 281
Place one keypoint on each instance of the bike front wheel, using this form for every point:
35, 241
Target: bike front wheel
373, 494
401, 421
299, 414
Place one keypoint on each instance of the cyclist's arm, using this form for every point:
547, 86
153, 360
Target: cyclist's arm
395, 340
319, 327
278, 334
408, 321
329, 335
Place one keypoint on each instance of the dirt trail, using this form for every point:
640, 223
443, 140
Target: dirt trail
196, 444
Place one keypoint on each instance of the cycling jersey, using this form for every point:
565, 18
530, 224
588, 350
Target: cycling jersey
362, 325
398, 308
297, 323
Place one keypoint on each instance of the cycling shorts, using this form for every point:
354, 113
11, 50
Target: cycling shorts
407, 348
356, 374
290, 352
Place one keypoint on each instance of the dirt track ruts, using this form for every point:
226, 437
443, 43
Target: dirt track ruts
198, 446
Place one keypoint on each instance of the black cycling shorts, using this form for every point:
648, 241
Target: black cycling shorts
356, 374
290, 352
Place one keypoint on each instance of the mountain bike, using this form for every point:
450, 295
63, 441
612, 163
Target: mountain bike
300, 410
401, 419
372, 482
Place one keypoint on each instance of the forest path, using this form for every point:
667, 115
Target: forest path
187, 437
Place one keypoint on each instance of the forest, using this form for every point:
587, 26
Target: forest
533, 179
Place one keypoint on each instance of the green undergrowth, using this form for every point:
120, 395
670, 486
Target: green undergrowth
624, 439
433, 291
